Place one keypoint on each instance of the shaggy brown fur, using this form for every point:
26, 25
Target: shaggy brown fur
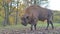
34, 13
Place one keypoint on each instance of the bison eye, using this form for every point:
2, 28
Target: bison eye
27, 17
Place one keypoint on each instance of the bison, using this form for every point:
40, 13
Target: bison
35, 13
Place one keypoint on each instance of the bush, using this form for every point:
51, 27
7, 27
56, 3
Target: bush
56, 17
1, 19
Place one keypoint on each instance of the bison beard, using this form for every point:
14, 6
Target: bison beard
34, 13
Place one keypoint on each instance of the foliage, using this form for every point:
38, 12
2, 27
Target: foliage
1, 20
2, 14
21, 9
12, 20
56, 17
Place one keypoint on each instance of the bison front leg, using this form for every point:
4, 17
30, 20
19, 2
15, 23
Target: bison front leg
35, 26
31, 27
33, 23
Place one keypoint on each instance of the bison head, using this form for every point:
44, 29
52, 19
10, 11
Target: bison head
24, 20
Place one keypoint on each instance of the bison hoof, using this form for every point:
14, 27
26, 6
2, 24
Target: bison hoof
52, 27
46, 29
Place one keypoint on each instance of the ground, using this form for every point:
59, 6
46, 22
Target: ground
20, 29
40, 30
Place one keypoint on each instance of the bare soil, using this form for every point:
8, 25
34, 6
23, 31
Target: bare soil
40, 30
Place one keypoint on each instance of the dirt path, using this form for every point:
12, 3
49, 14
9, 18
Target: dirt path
40, 30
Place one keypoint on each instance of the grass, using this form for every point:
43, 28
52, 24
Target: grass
40, 24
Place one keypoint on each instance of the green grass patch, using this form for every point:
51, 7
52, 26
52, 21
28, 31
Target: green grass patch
40, 24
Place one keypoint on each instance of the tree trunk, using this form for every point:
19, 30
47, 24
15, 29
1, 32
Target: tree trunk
34, 1
6, 8
17, 14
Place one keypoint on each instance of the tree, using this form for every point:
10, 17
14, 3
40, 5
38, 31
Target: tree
17, 12
6, 8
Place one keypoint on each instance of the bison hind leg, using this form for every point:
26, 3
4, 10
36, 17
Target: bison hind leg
47, 25
52, 24
35, 26
49, 22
